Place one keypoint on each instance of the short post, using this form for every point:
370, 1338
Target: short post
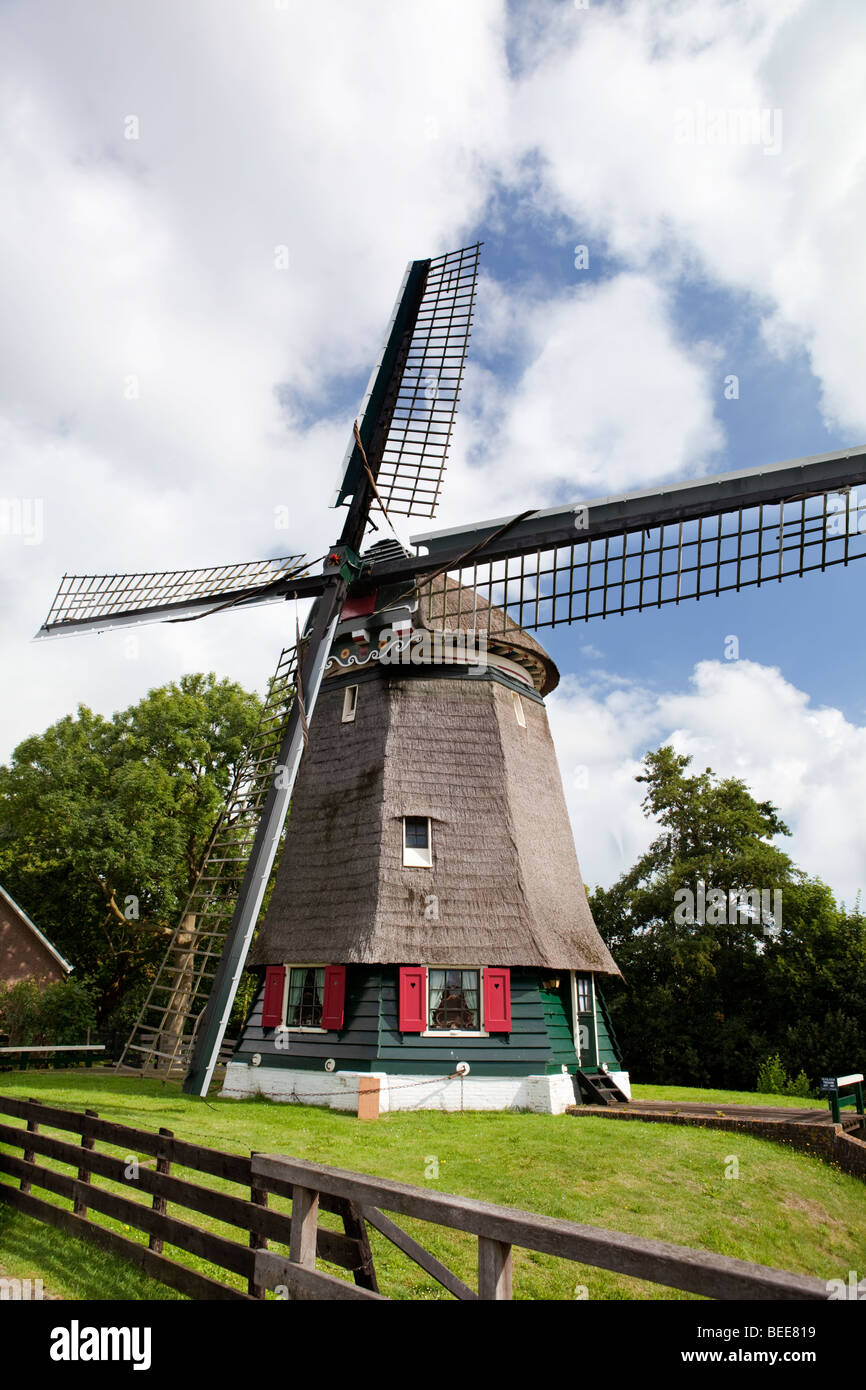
494, 1269
30, 1154
259, 1198
305, 1217
368, 1097
79, 1205
160, 1204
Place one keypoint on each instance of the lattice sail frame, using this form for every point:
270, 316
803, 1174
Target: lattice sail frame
649, 567
94, 598
416, 449
165, 1029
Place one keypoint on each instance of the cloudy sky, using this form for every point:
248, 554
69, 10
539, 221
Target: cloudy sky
207, 211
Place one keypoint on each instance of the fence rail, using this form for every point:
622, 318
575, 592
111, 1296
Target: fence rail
348, 1250
357, 1198
499, 1228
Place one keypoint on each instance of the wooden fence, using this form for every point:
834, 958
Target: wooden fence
360, 1201
348, 1250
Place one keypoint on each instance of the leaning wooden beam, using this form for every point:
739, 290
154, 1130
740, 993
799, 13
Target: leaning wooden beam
429, 1263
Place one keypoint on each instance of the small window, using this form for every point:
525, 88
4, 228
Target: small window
584, 994
518, 709
454, 1001
417, 847
305, 997
350, 703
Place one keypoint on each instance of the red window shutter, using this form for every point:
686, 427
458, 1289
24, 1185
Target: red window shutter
358, 607
272, 1006
413, 999
497, 1000
334, 1002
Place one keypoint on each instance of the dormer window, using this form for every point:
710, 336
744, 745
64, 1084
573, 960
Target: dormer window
417, 843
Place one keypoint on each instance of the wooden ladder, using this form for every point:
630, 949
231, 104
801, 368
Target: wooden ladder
164, 1031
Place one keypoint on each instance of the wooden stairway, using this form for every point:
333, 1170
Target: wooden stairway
598, 1088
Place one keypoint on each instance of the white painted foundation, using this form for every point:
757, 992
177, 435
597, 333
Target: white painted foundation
545, 1095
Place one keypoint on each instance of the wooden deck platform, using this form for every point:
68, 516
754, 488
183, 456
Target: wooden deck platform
800, 1115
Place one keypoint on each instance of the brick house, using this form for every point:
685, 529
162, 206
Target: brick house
24, 952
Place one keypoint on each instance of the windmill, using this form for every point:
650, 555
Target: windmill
454, 617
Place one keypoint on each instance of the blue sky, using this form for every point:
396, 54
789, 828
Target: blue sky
206, 228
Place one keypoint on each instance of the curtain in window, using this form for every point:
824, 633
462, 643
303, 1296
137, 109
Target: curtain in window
453, 999
436, 989
306, 992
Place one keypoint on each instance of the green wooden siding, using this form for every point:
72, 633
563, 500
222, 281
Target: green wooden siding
556, 1004
608, 1047
540, 1040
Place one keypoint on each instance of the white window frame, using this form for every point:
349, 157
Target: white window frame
481, 1031
576, 1011
298, 1027
418, 858
350, 704
519, 711
591, 978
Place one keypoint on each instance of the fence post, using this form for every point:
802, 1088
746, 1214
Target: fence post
79, 1206
305, 1216
30, 1154
494, 1268
160, 1204
259, 1198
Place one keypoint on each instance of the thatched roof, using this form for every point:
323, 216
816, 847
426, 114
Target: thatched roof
505, 887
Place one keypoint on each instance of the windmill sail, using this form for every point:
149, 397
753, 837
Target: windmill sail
165, 1029
97, 602
408, 413
645, 549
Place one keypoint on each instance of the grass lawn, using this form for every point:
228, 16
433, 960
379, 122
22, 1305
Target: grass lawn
785, 1209
718, 1097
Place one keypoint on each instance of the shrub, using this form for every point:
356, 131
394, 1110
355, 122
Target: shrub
58, 1013
800, 1086
773, 1080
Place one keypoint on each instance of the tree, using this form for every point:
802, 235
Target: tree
103, 822
692, 947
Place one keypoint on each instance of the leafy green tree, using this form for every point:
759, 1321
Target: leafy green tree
689, 1011
814, 991
103, 823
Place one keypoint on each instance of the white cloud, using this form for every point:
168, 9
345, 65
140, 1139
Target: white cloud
608, 398
146, 324
599, 105
742, 720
